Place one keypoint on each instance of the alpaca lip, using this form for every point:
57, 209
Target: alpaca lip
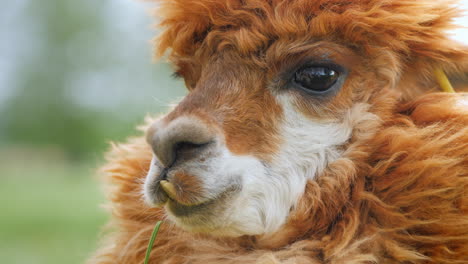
181, 210
171, 192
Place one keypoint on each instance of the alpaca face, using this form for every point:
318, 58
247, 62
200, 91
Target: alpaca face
233, 158
279, 90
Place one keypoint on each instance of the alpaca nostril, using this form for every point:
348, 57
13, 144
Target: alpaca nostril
184, 151
179, 140
183, 148
186, 146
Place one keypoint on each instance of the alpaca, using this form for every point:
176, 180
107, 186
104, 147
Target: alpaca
313, 132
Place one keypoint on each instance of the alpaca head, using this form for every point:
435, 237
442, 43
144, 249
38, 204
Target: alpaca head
278, 91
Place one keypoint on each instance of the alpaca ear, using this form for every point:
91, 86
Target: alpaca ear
419, 73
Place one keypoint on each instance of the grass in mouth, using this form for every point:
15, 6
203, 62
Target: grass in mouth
151, 242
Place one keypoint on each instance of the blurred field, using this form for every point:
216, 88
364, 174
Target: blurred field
50, 209
74, 75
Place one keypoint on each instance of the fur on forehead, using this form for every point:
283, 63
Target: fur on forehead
408, 27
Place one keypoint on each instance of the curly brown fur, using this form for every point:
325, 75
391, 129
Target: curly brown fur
399, 191
407, 203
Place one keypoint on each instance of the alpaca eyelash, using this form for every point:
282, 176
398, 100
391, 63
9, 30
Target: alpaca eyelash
286, 79
176, 75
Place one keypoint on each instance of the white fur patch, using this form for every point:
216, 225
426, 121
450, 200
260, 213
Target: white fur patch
308, 147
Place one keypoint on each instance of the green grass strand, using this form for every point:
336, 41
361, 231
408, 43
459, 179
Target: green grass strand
151, 242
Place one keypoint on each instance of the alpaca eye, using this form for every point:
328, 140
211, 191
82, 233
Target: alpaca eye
317, 79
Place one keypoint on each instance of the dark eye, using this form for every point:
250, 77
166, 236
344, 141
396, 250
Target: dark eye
316, 78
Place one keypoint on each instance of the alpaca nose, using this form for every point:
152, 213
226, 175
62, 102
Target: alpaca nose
181, 138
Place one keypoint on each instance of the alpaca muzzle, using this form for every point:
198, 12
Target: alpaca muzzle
180, 147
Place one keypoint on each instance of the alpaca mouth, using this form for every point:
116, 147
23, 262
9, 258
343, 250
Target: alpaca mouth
206, 208
169, 193
181, 210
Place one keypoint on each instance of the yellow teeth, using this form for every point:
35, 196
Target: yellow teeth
169, 189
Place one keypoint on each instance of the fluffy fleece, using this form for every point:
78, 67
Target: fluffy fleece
397, 194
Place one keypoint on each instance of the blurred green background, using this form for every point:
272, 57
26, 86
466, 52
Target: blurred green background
74, 75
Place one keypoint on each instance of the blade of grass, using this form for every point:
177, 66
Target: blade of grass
151, 242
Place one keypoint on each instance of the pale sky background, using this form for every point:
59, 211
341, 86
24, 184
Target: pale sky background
462, 34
